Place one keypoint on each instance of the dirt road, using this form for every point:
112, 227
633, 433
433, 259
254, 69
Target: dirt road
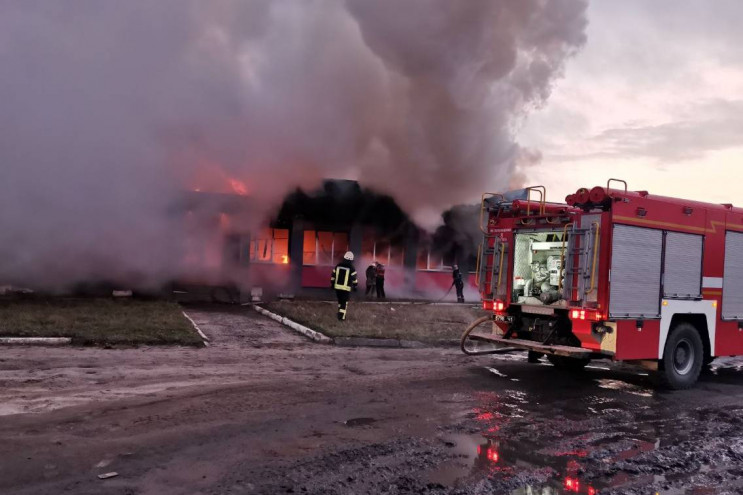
265, 411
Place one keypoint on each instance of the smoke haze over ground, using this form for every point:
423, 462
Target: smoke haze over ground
109, 109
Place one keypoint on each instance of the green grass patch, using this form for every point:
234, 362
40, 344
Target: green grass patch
98, 321
422, 322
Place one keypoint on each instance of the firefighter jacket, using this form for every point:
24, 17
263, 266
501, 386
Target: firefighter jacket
344, 276
371, 274
380, 270
457, 278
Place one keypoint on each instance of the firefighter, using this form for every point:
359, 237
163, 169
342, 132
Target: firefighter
343, 280
371, 279
380, 281
458, 283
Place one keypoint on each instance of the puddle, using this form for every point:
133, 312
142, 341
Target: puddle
359, 421
604, 435
521, 448
505, 457
624, 387
477, 456
496, 372
466, 449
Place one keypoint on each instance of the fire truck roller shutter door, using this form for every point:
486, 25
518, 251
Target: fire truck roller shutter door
732, 281
682, 270
635, 272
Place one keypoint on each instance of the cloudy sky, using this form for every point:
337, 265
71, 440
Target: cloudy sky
654, 97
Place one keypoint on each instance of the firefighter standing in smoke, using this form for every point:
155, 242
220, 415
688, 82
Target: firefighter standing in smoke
380, 281
343, 280
371, 279
458, 283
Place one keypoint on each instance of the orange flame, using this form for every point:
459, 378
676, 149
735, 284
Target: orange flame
285, 260
238, 187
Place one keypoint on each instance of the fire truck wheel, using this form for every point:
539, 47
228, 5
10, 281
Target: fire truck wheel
568, 363
682, 358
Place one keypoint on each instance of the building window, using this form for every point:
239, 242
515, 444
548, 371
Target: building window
428, 260
324, 248
270, 246
381, 251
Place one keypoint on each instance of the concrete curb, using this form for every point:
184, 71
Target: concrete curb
198, 330
353, 341
307, 332
43, 341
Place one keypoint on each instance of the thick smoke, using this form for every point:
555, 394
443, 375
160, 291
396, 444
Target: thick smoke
110, 109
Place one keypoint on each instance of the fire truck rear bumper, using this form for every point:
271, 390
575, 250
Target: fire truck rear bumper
559, 350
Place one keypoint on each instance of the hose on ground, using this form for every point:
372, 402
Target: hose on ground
444, 296
469, 330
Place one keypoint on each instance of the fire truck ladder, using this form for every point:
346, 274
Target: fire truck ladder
580, 259
490, 255
490, 261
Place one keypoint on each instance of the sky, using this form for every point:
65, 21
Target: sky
654, 97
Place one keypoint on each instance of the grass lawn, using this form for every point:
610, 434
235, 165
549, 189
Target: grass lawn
97, 321
423, 322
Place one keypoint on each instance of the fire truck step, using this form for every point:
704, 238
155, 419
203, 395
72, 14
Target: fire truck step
560, 350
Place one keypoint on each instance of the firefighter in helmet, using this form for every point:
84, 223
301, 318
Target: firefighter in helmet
343, 280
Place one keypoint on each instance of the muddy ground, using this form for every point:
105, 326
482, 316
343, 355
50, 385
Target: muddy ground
265, 411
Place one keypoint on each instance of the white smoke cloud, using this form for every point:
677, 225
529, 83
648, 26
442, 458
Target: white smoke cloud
110, 109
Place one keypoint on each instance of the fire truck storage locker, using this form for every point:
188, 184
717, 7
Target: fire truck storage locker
635, 276
682, 267
732, 282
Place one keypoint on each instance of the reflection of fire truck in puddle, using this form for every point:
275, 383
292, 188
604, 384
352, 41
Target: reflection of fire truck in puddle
614, 274
491, 453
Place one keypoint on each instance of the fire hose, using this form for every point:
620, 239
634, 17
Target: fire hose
447, 293
438, 300
467, 333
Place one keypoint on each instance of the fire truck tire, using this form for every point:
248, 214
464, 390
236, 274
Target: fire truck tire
683, 357
568, 363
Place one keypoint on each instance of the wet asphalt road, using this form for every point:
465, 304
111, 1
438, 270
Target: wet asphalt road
264, 411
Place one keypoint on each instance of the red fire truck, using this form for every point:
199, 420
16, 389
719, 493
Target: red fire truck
627, 276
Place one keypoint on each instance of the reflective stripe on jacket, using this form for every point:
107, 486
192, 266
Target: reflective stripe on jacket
344, 277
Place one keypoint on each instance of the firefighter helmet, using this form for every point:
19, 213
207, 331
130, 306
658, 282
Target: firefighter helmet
348, 256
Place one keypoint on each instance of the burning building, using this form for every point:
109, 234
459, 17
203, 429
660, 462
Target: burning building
295, 251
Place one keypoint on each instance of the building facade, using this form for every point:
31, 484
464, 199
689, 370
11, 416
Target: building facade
295, 252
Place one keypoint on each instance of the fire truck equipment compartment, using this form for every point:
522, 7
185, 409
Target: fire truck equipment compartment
682, 268
635, 272
732, 282
536, 267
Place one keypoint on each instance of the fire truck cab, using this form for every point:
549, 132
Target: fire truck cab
613, 274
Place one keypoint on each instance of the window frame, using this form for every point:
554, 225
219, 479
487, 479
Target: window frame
441, 267
333, 234
253, 247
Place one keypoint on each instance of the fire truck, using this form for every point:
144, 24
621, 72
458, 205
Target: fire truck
612, 274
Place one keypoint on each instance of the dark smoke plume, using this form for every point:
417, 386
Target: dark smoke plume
108, 110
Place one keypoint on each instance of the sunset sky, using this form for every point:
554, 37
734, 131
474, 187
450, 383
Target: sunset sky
654, 97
